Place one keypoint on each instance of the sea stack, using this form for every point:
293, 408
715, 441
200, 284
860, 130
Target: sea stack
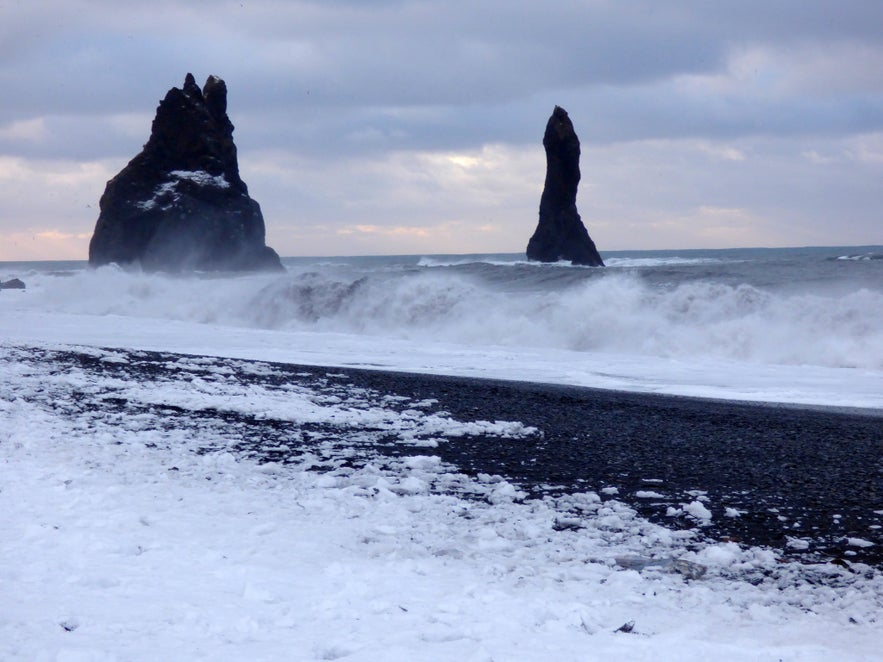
13, 284
180, 204
560, 234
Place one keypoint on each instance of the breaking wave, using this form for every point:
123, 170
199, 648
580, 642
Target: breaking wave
861, 256
607, 311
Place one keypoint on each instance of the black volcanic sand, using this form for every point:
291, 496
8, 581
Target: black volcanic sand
792, 472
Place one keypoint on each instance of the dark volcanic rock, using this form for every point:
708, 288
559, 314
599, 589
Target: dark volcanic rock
560, 234
14, 284
180, 204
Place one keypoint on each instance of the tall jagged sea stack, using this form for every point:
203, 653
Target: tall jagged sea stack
560, 233
180, 204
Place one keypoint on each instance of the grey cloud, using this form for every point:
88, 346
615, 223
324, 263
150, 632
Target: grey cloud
353, 80
790, 21
97, 57
391, 53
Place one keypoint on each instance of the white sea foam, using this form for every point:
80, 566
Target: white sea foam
862, 256
657, 261
617, 261
467, 260
618, 312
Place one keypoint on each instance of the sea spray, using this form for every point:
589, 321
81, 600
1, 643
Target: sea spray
690, 307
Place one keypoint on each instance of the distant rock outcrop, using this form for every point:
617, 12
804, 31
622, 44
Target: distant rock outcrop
13, 284
180, 204
560, 234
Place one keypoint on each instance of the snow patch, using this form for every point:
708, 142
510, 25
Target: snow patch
202, 178
167, 192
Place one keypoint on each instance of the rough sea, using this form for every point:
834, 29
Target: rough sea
760, 310
815, 306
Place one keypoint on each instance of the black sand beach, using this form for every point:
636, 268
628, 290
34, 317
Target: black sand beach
805, 481
792, 472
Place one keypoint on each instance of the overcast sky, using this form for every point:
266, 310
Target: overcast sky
399, 127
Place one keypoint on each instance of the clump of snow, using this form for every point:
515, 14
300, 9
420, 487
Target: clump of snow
724, 555
698, 510
798, 543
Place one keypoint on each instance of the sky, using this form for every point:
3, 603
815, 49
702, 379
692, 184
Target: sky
403, 127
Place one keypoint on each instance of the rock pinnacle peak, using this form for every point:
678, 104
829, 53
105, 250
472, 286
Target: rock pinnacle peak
180, 204
560, 233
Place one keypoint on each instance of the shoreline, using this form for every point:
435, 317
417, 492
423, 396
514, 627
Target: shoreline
788, 469
846, 410
802, 480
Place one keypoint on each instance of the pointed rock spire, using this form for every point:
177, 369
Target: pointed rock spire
560, 233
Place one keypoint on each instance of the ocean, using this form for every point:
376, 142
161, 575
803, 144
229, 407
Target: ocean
787, 324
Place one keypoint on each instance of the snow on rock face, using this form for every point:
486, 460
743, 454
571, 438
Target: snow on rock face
140, 522
166, 194
202, 178
180, 204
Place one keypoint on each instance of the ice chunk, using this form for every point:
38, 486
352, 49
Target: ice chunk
689, 569
697, 510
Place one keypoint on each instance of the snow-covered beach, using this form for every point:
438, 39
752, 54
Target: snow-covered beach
138, 523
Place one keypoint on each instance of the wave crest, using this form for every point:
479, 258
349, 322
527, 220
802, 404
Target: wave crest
618, 313
610, 312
